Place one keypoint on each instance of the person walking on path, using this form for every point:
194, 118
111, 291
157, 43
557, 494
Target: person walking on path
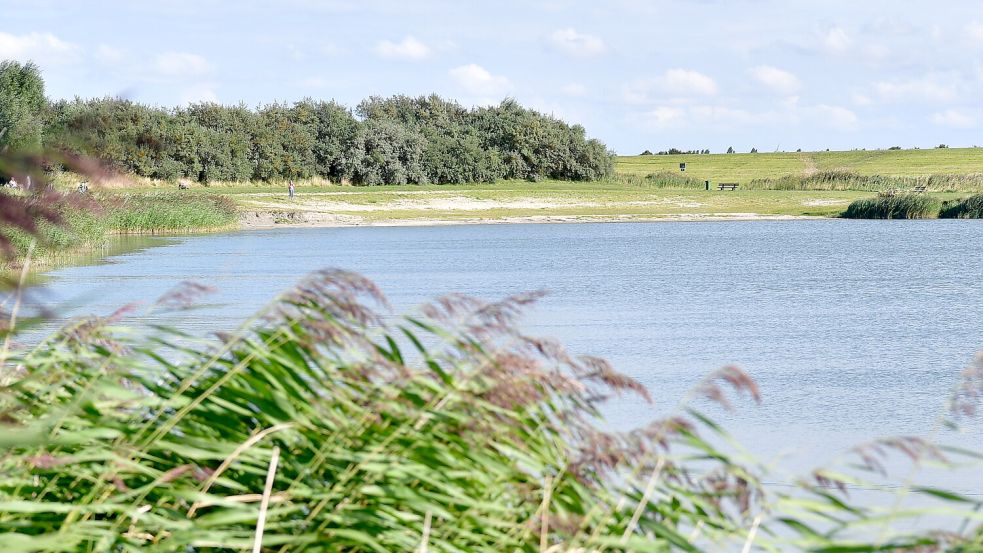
290, 189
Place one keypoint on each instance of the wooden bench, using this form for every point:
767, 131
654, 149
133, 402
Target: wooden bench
727, 186
919, 190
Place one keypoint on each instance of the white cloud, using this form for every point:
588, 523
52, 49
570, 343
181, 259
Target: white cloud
574, 89
198, 94
686, 81
726, 116
182, 64
974, 30
577, 44
877, 52
834, 117
109, 55
954, 118
331, 50
478, 80
723, 117
42, 48
836, 40
703, 116
664, 117
776, 79
677, 86
927, 89
409, 49
862, 100
314, 82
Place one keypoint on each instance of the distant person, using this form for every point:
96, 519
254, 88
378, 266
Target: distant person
290, 189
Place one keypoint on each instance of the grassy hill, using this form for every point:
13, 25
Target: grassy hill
742, 168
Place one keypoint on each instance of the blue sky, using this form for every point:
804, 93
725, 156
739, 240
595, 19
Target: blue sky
637, 74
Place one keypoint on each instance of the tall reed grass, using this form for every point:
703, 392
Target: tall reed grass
666, 179
845, 180
968, 208
902, 206
83, 228
168, 212
327, 424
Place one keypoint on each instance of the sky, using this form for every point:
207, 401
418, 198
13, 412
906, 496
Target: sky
691, 74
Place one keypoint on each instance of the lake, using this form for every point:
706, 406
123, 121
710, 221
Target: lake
853, 329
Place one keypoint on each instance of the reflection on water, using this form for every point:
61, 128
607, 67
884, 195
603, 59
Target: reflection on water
853, 329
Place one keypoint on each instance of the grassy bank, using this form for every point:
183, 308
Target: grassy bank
743, 168
88, 223
643, 188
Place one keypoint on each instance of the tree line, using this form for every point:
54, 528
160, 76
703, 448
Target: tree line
395, 140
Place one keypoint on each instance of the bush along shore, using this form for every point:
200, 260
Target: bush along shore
329, 424
915, 206
969, 208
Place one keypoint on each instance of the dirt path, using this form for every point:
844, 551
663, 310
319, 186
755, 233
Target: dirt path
810, 165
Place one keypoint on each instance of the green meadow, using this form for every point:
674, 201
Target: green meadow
743, 167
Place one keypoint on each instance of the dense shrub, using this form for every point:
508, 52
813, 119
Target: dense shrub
903, 206
969, 208
22, 105
389, 153
393, 140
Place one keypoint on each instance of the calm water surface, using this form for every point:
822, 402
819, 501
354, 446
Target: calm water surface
853, 329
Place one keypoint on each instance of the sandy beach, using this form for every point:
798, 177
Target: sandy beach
428, 208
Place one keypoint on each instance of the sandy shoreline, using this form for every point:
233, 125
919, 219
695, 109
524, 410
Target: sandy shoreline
258, 220
457, 207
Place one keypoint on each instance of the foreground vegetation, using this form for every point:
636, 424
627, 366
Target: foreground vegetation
325, 425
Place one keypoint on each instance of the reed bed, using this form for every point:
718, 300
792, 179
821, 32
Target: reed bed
844, 180
902, 206
666, 179
968, 208
85, 224
168, 212
328, 424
